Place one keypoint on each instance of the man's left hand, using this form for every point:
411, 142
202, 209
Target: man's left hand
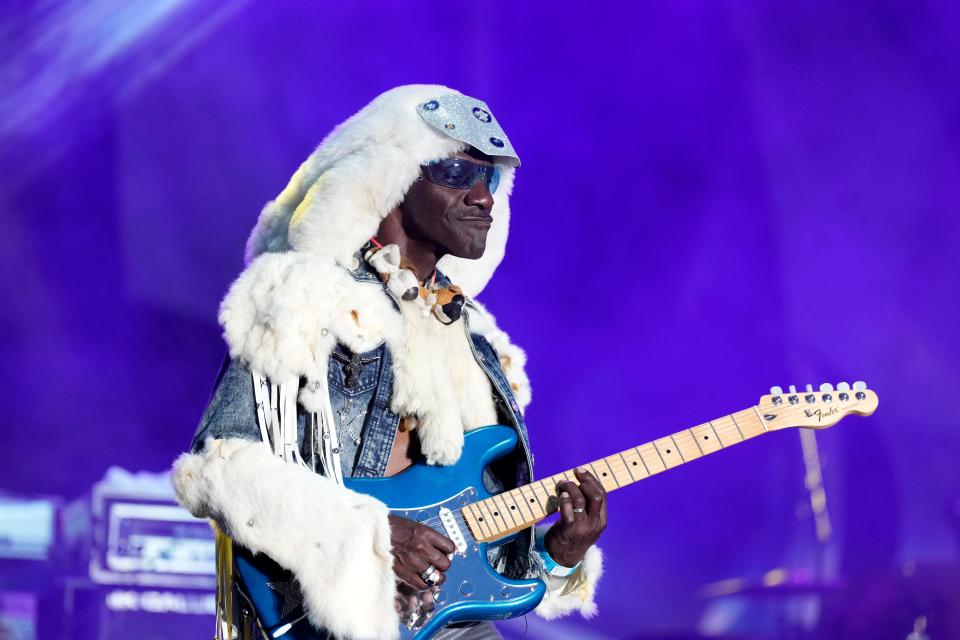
583, 517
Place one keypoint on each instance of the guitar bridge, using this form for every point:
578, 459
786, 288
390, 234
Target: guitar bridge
453, 530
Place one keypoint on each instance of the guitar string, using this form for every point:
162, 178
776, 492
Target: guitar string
458, 513
730, 429
716, 424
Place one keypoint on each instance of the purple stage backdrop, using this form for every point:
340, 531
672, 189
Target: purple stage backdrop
715, 198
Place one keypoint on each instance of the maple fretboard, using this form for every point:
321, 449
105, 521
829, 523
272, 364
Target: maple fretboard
524, 506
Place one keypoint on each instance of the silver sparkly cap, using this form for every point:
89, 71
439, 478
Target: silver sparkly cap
468, 120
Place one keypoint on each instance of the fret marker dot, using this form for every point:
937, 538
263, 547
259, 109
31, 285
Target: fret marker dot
706, 437
531, 500
480, 518
634, 463
512, 507
668, 450
604, 474
496, 513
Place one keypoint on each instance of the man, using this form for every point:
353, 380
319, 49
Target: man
356, 350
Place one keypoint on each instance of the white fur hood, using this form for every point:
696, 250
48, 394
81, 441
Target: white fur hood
335, 201
297, 297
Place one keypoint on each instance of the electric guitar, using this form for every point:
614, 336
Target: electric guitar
453, 501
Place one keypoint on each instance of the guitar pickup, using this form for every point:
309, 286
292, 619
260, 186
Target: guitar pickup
453, 530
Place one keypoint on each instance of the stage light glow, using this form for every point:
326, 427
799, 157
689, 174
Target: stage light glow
50, 50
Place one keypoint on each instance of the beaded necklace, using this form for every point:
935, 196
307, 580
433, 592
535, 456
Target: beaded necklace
445, 303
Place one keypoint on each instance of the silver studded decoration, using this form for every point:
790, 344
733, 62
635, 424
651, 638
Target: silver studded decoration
469, 120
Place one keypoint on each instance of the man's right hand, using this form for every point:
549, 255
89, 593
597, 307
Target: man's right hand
416, 547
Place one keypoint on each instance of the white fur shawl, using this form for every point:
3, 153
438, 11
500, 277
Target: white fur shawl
286, 311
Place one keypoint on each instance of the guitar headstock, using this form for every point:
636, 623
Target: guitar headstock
815, 409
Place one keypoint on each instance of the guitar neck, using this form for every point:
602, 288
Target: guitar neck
520, 508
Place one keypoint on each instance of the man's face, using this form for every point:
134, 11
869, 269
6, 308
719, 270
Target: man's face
454, 221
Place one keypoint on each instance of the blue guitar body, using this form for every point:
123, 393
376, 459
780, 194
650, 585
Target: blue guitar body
472, 590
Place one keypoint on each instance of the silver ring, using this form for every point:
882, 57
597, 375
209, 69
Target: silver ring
429, 575
580, 510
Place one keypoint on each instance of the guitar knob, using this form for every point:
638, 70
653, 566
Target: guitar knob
826, 387
843, 386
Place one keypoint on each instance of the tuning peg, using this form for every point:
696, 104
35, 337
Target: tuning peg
826, 387
793, 388
843, 386
859, 385
776, 392
809, 388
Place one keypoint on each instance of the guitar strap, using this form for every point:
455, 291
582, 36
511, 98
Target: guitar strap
224, 593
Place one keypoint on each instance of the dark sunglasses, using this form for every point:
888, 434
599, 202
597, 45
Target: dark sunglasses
458, 173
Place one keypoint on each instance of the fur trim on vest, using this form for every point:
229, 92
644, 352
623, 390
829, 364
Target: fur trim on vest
344, 567
574, 593
286, 311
